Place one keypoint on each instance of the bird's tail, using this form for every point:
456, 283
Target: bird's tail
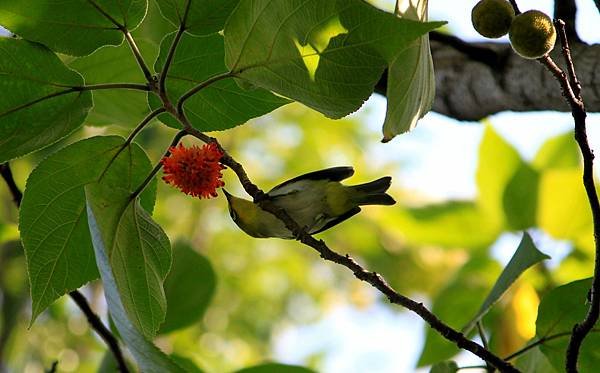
374, 192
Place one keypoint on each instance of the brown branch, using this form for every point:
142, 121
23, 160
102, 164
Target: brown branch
573, 97
102, 330
77, 297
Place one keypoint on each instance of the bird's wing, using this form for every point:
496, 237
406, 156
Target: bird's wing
337, 220
331, 174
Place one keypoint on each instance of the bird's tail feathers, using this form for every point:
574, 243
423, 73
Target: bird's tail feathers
373, 193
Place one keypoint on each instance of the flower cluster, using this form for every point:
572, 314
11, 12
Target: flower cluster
195, 171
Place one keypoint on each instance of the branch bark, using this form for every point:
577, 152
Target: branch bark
475, 80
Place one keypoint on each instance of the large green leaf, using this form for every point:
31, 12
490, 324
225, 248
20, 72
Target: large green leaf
275, 368
444, 367
456, 303
520, 198
100, 202
558, 312
524, 257
558, 152
115, 65
564, 211
74, 27
33, 112
410, 80
53, 222
189, 288
534, 361
138, 252
445, 224
202, 17
499, 162
327, 55
221, 105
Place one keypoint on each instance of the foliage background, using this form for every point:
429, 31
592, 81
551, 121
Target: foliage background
271, 294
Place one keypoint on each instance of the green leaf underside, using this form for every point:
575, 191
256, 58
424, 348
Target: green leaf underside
557, 153
138, 251
221, 105
275, 368
30, 72
558, 311
115, 65
100, 201
326, 55
53, 221
524, 257
189, 288
444, 367
204, 16
73, 27
456, 303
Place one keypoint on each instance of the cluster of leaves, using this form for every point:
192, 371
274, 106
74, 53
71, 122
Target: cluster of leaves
82, 62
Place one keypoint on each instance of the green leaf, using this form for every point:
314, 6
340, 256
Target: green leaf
203, 16
327, 55
534, 361
444, 367
558, 152
73, 27
524, 257
189, 288
563, 211
108, 364
492, 181
221, 105
53, 221
187, 364
149, 358
115, 65
153, 29
520, 198
444, 225
138, 252
558, 312
275, 368
455, 303
37, 107
410, 81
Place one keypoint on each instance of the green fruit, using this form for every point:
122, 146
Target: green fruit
532, 34
492, 18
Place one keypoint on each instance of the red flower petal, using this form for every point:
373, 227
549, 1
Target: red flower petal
195, 171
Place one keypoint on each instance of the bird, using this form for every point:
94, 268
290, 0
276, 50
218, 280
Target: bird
316, 201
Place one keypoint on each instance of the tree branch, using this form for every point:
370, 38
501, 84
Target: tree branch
580, 330
138, 57
77, 297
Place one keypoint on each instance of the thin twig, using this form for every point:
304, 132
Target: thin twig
515, 6
158, 166
566, 10
173, 49
79, 299
580, 330
53, 367
10, 182
102, 331
566, 52
484, 341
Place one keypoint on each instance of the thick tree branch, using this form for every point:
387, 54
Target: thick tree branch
472, 84
77, 297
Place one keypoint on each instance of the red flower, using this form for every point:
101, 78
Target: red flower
196, 170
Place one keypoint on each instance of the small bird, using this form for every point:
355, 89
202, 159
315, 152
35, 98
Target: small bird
316, 201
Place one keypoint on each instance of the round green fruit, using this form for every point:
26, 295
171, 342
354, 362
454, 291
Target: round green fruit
532, 34
492, 18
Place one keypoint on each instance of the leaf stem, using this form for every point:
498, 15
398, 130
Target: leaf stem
173, 49
138, 57
199, 87
143, 124
158, 166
